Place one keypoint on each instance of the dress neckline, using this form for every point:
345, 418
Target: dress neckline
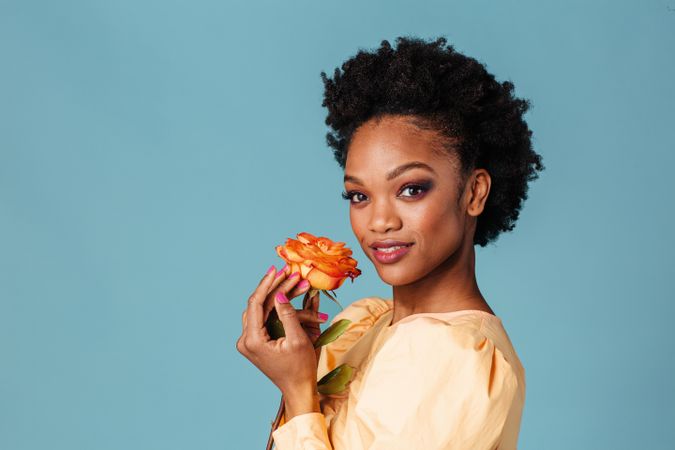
444, 315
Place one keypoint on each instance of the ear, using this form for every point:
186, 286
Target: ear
478, 184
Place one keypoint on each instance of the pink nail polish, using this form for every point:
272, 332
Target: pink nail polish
281, 297
294, 274
303, 284
269, 271
323, 316
281, 271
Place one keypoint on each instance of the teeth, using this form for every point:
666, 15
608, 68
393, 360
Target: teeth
390, 249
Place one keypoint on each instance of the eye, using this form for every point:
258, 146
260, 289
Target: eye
349, 194
419, 188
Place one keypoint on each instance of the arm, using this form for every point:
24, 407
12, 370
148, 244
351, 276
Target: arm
289, 361
305, 400
304, 425
306, 431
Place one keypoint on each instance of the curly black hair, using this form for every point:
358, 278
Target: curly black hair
453, 94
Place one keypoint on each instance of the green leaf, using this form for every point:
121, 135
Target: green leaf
332, 332
336, 380
274, 326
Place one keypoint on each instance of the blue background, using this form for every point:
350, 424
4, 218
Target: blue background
152, 154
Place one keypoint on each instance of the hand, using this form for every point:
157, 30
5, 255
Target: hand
312, 327
290, 361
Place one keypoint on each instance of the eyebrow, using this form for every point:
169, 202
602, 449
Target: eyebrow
396, 172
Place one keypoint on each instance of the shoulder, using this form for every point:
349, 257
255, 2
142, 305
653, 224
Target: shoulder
459, 385
364, 312
460, 348
472, 333
437, 330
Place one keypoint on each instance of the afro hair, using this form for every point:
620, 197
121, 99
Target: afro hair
451, 93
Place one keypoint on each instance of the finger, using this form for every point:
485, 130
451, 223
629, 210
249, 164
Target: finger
300, 288
278, 277
307, 316
314, 302
285, 286
311, 320
312, 331
289, 318
253, 319
282, 285
310, 326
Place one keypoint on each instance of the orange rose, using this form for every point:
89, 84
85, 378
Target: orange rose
322, 262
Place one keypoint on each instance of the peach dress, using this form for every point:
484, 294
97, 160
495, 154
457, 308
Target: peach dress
430, 381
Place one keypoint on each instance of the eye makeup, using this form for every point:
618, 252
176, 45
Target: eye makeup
421, 186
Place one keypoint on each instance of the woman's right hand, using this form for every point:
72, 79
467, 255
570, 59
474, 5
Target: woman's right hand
290, 361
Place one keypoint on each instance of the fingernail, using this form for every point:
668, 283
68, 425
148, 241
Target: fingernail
323, 316
281, 271
294, 274
270, 270
303, 284
281, 297
316, 333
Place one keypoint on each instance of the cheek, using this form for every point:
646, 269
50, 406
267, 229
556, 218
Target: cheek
359, 223
439, 229
353, 220
358, 226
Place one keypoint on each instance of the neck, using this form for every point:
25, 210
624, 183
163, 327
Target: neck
449, 287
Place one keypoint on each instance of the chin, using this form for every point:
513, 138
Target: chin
395, 276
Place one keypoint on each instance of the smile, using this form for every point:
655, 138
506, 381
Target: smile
388, 255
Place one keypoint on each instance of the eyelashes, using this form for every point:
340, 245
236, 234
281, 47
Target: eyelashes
348, 195
422, 188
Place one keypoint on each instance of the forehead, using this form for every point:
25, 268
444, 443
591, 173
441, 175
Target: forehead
380, 144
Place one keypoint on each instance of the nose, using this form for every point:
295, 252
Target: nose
383, 218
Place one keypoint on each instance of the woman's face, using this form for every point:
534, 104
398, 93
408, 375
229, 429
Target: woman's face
416, 204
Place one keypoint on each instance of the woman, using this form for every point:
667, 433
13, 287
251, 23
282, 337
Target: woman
436, 158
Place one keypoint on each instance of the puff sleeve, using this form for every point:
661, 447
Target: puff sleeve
437, 386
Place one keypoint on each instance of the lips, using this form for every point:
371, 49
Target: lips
389, 243
390, 249
387, 252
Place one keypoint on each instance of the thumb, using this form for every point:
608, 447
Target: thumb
289, 318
